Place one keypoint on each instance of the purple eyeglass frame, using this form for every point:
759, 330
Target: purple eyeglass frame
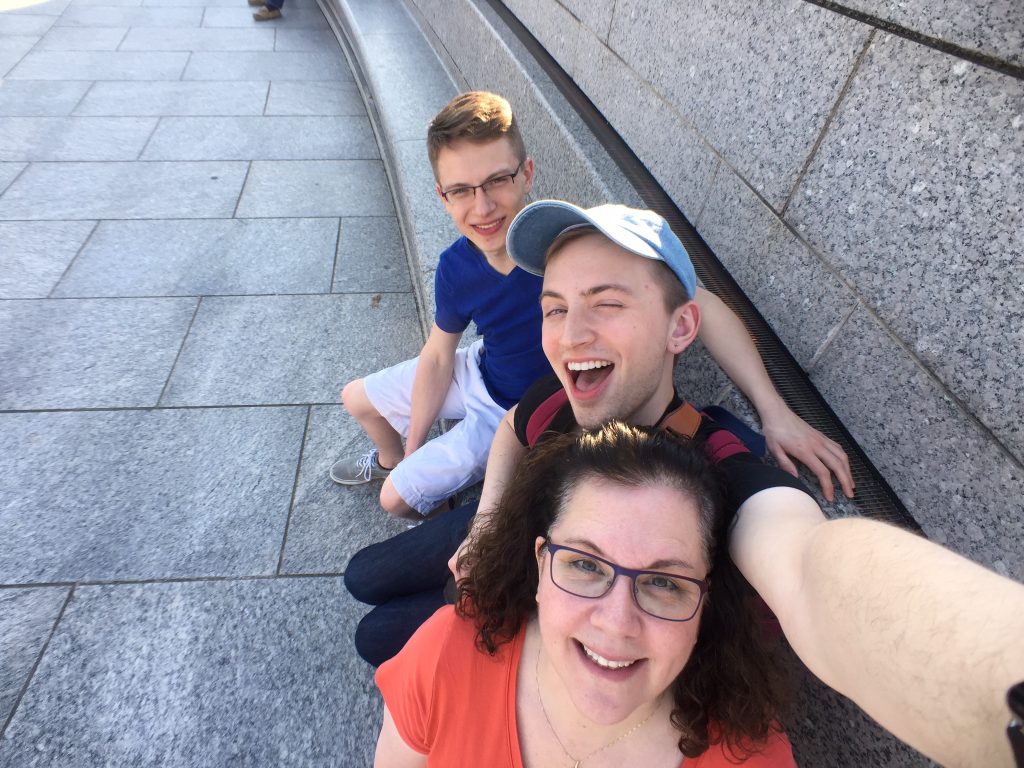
630, 573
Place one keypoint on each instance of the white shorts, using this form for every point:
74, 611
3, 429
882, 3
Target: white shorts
455, 460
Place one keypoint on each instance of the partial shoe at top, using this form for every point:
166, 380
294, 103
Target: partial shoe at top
266, 14
356, 470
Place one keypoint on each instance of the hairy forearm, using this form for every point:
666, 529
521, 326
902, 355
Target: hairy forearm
925, 641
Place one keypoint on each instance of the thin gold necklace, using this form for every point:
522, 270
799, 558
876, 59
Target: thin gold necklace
576, 761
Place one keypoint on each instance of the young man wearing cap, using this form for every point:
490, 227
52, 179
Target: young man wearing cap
483, 177
924, 640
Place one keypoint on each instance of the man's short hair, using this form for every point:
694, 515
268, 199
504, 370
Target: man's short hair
476, 116
672, 291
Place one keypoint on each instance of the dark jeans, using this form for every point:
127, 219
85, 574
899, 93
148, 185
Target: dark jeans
404, 577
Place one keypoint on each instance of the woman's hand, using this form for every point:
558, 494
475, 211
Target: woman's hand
788, 435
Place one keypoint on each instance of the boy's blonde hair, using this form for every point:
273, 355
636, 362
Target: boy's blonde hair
476, 116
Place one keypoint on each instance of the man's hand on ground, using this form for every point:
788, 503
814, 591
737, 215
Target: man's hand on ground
788, 435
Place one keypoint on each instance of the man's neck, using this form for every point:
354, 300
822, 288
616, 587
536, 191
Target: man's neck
655, 409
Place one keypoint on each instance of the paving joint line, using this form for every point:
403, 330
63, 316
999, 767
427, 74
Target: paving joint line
295, 490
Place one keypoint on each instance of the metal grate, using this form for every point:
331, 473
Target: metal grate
875, 498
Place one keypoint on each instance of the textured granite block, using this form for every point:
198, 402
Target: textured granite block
74, 138
316, 188
193, 257
174, 98
147, 39
34, 255
146, 494
289, 349
678, 157
380, 17
922, 166
698, 377
371, 257
758, 81
124, 191
109, 3
75, 39
800, 297
559, 31
993, 27
276, 65
263, 138
26, 619
307, 40
18, 24
8, 173
246, 673
100, 65
595, 14
105, 16
408, 82
829, 731
12, 48
315, 98
296, 17
956, 482
89, 354
332, 522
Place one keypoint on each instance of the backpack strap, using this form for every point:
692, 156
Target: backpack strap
684, 421
544, 414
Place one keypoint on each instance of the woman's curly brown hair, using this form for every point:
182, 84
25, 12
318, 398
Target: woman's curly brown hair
732, 688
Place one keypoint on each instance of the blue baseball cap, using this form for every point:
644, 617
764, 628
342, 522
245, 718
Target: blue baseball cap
641, 232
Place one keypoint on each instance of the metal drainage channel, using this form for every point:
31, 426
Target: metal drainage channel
875, 498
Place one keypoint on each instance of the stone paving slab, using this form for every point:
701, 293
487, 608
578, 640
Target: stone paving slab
82, 39
50, 8
331, 522
316, 188
306, 40
124, 191
12, 48
28, 98
240, 15
100, 65
106, 16
316, 98
247, 673
145, 494
16, 24
8, 173
371, 256
289, 349
34, 255
89, 353
261, 138
174, 98
74, 138
152, 39
277, 65
202, 257
26, 618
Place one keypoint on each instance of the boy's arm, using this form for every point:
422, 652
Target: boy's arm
506, 453
729, 342
923, 640
430, 385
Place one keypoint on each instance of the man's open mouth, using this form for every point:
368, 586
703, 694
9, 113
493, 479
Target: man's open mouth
589, 374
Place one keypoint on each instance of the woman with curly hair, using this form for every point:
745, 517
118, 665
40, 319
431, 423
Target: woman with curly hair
602, 624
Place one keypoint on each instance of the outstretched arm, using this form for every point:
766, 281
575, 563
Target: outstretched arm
729, 342
506, 453
923, 640
430, 385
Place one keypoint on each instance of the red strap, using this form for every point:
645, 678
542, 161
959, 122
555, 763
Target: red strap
722, 444
542, 417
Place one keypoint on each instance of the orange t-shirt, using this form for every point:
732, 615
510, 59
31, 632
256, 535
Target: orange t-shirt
457, 705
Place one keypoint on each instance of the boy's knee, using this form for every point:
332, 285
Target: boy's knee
353, 394
395, 505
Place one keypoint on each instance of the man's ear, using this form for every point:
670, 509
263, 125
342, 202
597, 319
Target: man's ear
527, 174
685, 324
437, 189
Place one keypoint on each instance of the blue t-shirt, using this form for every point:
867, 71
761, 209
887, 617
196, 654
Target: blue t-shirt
506, 310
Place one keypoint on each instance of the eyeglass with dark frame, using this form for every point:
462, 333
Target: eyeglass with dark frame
463, 194
667, 596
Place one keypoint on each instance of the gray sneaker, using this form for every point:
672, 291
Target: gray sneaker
356, 470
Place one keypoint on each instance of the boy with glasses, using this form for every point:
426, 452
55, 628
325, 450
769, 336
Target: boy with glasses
483, 178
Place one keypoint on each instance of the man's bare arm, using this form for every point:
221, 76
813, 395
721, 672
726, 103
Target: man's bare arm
506, 453
729, 342
922, 639
430, 385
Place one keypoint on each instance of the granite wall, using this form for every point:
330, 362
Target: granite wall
858, 169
